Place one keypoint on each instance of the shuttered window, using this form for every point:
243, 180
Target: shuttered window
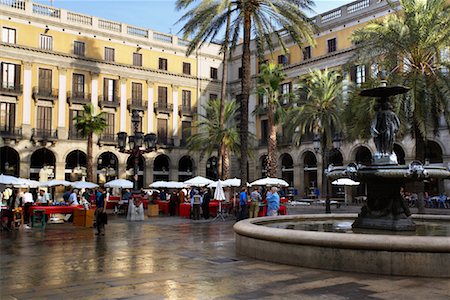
45, 81
78, 48
162, 96
186, 99
8, 35
162, 131
46, 42
137, 59
44, 118
186, 68
78, 85
110, 89
136, 92
7, 116
109, 54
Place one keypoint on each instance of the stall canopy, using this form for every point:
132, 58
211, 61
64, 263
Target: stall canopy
167, 185
345, 181
119, 183
27, 183
8, 180
51, 183
234, 182
198, 181
84, 185
270, 181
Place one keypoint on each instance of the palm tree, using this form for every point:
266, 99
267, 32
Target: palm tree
269, 83
87, 124
319, 112
411, 44
209, 132
263, 18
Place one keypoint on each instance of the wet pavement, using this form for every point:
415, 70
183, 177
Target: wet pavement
174, 258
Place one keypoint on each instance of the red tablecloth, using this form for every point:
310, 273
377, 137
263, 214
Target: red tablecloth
185, 210
163, 206
53, 209
263, 210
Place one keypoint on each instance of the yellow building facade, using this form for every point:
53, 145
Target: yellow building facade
55, 61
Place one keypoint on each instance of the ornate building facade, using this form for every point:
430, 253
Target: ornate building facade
54, 61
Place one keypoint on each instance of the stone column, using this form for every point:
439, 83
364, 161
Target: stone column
26, 110
60, 167
150, 113
94, 91
175, 115
123, 105
299, 175
62, 97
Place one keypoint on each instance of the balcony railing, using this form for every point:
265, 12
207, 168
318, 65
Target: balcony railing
105, 102
44, 134
137, 104
262, 110
78, 98
75, 134
185, 110
263, 142
284, 140
165, 141
108, 139
45, 93
163, 107
9, 90
11, 132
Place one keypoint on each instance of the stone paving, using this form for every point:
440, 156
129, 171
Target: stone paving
174, 258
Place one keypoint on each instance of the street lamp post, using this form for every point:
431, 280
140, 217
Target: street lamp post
135, 143
326, 157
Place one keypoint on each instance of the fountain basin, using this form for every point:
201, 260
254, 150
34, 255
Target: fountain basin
427, 256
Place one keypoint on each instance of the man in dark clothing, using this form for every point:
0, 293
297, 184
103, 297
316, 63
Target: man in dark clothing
205, 203
66, 196
100, 213
173, 202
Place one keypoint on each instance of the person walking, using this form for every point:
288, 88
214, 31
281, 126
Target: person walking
100, 213
243, 204
256, 198
173, 202
205, 203
273, 202
196, 202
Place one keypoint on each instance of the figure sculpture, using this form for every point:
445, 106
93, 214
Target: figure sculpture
384, 128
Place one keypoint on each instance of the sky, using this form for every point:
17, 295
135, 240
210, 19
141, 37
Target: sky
157, 15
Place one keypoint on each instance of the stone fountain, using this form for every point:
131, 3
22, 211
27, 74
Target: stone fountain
385, 208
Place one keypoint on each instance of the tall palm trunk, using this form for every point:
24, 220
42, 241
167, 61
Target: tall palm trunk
272, 144
245, 88
226, 164
223, 91
89, 167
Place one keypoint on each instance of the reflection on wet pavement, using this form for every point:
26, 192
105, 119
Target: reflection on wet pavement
171, 258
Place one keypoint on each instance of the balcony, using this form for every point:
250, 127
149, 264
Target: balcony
284, 140
165, 142
11, 133
261, 110
44, 134
108, 139
11, 90
78, 98
75, 135
185, 110
108, 102
263, 142
137, 104
40, 93
163, 107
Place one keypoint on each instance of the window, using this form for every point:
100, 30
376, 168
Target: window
360, 74
110, 90
186, 99
46, 42
137, 59
108, 132
374, 70
331, 45
162, 131
10, 76
44, 119
78, 86
213, 73
307, 53
213, 97
240, 72
264, 131
45, 82
283, 59
7, 116
78, 48
445, 57
73, 132
8, 35
162, 96
163, 64
186, 132
109, 54
264, 101
136, 92
186, 68
285, 90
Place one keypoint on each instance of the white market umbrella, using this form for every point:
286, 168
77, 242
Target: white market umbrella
158, 184
84, 185
345, 181
119, 183
51, 183
219, 193
198, 181
167, 184
234, 182
8, 180
27, 183
270, 181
